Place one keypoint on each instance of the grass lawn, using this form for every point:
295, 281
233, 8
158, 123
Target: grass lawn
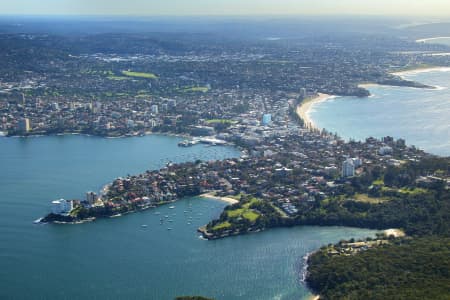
140, 75
414, 191
220, 121
378, 182
194, 89
245, 211
253, 201
251, 216
367, 199
235, 213
223, 225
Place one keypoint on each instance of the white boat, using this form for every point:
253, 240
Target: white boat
172, 207
144, 225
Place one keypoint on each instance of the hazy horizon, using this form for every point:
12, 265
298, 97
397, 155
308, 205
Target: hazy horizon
437, 8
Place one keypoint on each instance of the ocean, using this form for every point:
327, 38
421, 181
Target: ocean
118, 258
421, 116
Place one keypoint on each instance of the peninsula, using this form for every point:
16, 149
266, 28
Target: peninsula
245, 92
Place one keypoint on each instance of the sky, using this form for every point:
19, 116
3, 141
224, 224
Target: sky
225, 7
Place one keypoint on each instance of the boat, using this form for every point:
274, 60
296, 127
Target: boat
187, 143
144, 225
172, 207
183, 144
38, 221
169, 228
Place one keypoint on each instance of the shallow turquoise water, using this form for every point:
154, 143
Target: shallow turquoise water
421, 116
117, 258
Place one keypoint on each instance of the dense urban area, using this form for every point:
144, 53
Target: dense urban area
246, 93
161, 84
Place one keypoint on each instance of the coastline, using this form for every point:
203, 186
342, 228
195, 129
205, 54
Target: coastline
420, 70
211, 195
432, 39
394, 232
403, 75
304, 108
147, 133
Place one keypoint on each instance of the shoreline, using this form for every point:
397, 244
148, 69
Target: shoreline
394, 232
147, 133
207, 196
304, 108
432, 39
211, 195
403, 74
421, 70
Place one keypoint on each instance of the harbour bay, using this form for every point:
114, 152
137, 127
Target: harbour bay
118, 258
418, 115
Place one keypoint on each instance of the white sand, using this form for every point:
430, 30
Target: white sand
304, 108
212, 195
422, 70
394, 232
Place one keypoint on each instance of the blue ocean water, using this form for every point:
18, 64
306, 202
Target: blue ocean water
421, 116
117, 258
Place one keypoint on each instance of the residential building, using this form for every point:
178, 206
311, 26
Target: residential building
348, 168
62, 206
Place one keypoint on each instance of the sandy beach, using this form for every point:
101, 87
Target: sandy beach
212, 195
432, 39
406, 73
395, 232
305, 106
421, 70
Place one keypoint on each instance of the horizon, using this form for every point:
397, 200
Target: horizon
172, 8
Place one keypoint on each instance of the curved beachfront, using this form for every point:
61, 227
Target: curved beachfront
391, 111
